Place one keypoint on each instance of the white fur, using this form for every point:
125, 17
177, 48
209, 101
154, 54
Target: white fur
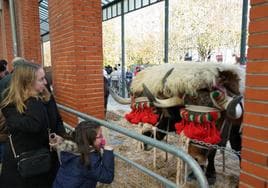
186, 78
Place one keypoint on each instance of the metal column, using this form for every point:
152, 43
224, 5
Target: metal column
243, 42
13, 28
123, 49
166, 30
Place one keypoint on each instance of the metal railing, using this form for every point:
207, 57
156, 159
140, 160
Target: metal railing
158, 144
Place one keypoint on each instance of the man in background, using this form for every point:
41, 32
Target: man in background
3, 135
3, 68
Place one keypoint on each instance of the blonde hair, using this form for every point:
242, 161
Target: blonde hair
20, 88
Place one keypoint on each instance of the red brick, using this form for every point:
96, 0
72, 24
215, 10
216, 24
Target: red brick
256, 119
256, 107
254, 2
258, 26
257, 67
259, 12
257, 80
243, 185
253, 181
256, 94
258, 39
251, 168
76, 47
28, 26
255, 145
6, 34
1, 39
255, 157
69, 118
258, 53
257, 133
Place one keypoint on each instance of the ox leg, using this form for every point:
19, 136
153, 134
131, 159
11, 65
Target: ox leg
159, 136
211, 171
146, 146
235, 139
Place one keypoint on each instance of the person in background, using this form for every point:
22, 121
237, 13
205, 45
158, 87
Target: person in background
115, 79
106, 93
82, 163
27, 121
3, 131
109, 71
3, 68
129, 76
137, 69
4, 82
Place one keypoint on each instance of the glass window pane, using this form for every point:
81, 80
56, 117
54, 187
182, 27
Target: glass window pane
145, 2
131, 4
125, 6
138, 3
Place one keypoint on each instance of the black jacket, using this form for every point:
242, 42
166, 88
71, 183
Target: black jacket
29, 132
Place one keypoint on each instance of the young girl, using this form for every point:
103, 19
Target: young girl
82, 164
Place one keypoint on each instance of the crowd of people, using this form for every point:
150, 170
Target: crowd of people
30, 122
113, 75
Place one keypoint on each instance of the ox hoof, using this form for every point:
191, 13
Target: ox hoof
211, 177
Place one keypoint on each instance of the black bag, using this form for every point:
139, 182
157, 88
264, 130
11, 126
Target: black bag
33, 162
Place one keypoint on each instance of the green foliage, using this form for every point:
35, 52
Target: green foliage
193, 25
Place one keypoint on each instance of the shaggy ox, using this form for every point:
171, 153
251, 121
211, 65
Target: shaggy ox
201, 101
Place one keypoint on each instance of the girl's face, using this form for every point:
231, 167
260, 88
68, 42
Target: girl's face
40, 82
100, 141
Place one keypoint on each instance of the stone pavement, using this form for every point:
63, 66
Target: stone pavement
114, 106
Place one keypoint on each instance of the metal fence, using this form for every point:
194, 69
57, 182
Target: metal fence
164, 182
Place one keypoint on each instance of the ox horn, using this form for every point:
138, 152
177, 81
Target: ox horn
119, 99
164, 80
148, 93
170, 102
162, 103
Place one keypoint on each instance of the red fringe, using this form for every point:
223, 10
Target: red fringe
206, 132
142, 113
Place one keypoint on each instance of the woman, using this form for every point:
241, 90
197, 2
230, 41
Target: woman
27, 121
82, 164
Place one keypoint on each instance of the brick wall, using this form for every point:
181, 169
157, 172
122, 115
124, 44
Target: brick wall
5, 32
1, 37
28, 29
254, 165
76, 55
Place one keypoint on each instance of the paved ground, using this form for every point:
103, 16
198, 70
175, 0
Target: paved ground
114, 106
